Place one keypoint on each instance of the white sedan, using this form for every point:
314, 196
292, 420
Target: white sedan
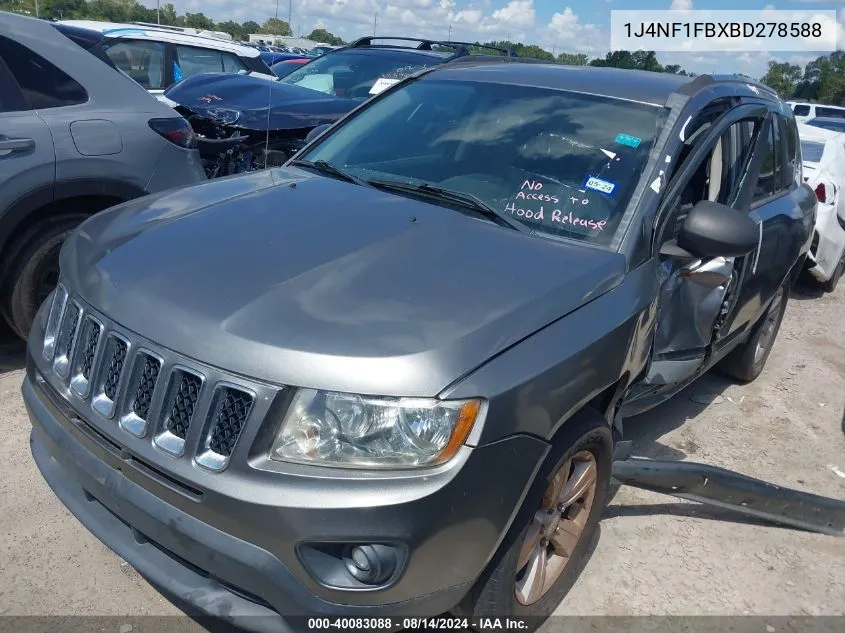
823, 156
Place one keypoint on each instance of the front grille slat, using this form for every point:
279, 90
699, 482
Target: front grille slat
184, 403
146, 385
233, 411
90, 350
67, 338
115, 369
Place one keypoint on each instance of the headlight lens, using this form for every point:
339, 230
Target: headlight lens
346, 430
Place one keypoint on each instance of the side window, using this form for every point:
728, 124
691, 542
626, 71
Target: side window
766, 180
42, 84
232, 63
11, 99
142, 61
191, 60
801, 110
792, 159
835, 113
777, 137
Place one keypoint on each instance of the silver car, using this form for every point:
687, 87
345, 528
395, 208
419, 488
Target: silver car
76, 136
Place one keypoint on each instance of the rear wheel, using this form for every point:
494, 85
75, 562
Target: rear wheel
34, 271
747, 361
549, 544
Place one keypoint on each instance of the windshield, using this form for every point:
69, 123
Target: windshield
811, 152
828, 124
562, 163
356, 75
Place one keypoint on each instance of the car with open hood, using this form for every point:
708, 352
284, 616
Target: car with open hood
386, 379
244, 124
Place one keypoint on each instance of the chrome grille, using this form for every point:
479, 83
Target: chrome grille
186, 409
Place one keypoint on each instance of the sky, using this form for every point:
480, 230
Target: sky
573, 26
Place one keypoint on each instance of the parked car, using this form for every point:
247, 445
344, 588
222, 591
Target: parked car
273, 57
244, 124
805, 111
76, 137
418, 351
823, 155
157, 57
833, 124
317, 51
286, 67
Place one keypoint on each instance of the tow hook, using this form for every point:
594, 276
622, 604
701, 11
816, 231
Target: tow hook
723, 488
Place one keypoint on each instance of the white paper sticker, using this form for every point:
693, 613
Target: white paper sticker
382, 83
656, 184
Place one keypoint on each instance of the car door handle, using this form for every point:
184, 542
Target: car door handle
16, 144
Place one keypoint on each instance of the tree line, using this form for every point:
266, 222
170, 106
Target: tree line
821, 80
133, 11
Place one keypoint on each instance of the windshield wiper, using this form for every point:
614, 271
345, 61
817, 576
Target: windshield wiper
466, 200
327, 168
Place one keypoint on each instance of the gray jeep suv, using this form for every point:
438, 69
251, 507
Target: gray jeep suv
386, 379
76, 136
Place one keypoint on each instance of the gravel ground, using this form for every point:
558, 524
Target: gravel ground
655, 555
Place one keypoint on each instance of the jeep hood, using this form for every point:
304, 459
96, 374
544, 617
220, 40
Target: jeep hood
303, 280
250, 103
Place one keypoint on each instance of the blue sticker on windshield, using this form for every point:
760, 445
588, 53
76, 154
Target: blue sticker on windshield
627, 139
602, 186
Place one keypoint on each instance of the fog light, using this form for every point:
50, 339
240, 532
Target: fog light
370, 564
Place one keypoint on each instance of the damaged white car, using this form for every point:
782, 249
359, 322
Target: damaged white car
823, 157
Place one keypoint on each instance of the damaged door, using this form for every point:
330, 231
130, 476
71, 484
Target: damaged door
696, 296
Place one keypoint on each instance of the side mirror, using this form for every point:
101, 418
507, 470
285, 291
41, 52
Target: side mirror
716, 230
315, 132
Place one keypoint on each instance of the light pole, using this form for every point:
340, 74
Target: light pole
375, 22
290, 11
158, 11
450, 33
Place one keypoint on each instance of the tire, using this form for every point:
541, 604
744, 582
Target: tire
746, 362
34, 271
584, 438
830, 284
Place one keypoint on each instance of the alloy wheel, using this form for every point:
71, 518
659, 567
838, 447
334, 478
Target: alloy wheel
556, 528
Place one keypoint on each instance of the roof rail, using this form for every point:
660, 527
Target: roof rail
460, 48
187, 30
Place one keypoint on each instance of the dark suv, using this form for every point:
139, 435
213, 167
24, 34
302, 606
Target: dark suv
387, 378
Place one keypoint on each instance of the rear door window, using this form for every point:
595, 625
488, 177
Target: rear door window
192, 60
766, 180
836, 113
801, 110
143, 61
41, 83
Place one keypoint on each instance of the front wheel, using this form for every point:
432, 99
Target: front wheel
549, 544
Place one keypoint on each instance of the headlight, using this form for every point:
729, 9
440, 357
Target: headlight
344, 430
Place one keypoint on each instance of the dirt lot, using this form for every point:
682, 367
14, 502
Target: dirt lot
655, 556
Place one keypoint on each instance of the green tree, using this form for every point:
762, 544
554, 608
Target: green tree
646, 60
572, 59
783, 78
251, 27
275, 26
322, 35
199, 21
616, 59
237, 31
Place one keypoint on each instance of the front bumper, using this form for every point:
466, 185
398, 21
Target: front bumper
450, 534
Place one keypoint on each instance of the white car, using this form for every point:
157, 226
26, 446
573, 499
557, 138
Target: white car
823, 158
158, 56
805, 111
